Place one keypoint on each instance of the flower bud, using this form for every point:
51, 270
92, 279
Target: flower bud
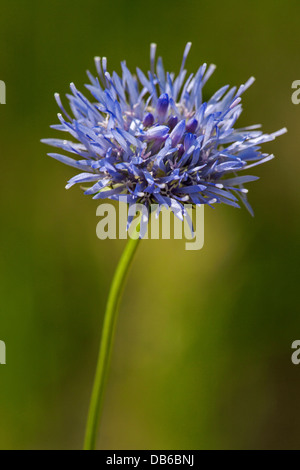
191, 125
172, 122
148, 120
177, 133
162, 107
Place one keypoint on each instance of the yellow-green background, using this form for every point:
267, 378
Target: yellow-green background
203, 345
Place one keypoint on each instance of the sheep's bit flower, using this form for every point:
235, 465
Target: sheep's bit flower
152, 139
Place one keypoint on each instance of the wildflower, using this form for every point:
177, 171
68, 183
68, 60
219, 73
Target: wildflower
152, 139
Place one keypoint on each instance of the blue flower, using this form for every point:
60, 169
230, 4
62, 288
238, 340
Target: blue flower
153, 140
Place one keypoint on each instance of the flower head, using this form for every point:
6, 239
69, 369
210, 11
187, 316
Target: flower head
153, 140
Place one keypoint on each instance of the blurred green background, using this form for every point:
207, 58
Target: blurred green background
202, 357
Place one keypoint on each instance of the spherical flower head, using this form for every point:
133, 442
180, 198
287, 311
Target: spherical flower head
151, 139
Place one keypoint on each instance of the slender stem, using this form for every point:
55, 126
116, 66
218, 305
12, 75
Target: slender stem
109, 325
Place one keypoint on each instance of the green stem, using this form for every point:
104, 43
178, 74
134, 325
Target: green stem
109, 327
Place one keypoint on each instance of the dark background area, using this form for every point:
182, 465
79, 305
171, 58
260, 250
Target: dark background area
202, 358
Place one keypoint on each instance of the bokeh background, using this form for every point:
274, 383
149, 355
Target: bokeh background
202, 357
